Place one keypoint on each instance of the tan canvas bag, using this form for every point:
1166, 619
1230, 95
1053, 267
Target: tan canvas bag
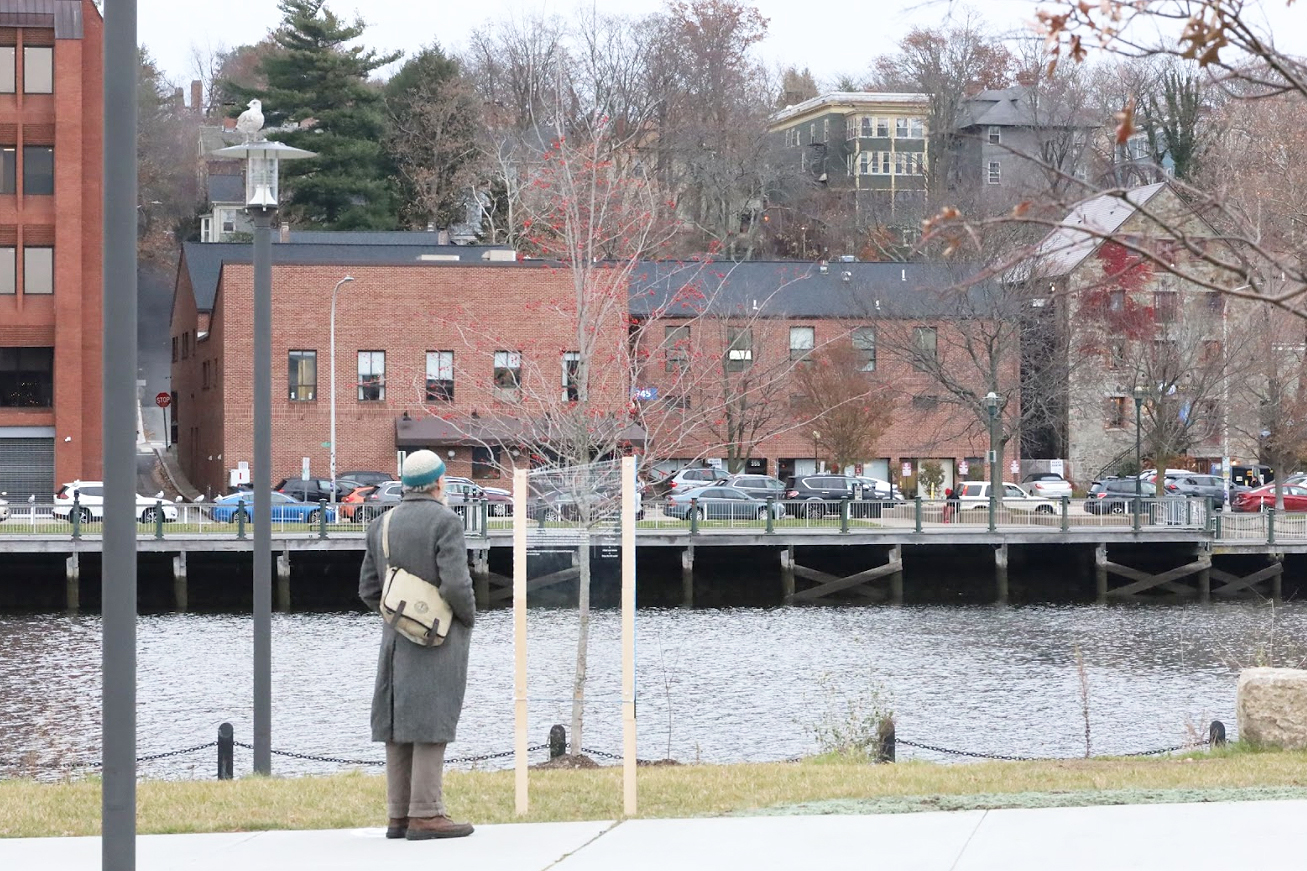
413, 606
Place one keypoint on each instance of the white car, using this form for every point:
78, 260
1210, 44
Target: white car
4, 510
975, 495
89, 497
1049, 484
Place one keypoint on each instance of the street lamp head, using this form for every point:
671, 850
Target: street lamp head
991, 400
262, 161
1139, 394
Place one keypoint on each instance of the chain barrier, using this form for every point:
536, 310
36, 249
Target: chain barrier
1009, 758
99, 763
337, 760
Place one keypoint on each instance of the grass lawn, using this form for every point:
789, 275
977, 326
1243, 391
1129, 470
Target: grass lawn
823, 785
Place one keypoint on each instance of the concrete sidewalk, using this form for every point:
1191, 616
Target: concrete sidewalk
1219, 836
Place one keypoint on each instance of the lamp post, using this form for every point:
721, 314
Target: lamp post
816, 437
1139, 462
995, 470
332, 363
262, 162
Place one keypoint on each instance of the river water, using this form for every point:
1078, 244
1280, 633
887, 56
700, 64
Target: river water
714, 685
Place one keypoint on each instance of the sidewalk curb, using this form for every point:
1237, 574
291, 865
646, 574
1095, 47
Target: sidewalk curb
167, 473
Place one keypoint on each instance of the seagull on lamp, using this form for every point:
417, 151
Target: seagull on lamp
250, 122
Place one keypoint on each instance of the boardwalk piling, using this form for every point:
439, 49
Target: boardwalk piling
1000, 572
687, 577
72, 582
283, 581
179, 587
787, 574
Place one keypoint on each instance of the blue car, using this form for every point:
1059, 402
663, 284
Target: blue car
719, 503
284, 508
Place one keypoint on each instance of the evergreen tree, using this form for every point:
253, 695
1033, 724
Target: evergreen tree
315, 79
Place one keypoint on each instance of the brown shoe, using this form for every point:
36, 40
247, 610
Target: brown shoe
426, 828
397, 828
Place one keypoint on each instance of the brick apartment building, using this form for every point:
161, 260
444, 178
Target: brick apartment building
428, 352
51, 166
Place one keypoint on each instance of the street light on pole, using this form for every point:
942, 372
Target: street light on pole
995, 473
261, 172
332, 363
816, 437
1139, 462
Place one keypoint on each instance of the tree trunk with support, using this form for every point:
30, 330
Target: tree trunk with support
582, 646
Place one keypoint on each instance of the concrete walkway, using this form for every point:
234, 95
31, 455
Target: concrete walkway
1219, 836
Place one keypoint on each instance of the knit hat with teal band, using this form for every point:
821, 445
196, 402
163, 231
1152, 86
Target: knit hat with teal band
422, 469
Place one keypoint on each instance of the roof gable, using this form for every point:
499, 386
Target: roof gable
1081, 232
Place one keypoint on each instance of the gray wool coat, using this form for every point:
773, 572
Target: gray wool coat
419, 690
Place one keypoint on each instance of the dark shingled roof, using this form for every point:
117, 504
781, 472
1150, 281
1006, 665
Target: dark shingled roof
370, 237
204, 260
799, 289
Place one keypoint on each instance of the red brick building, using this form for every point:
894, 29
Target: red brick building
452, 353
51, 166
429, 341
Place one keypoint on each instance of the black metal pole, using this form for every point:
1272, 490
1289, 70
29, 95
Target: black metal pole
261, 477
1139, 461
119, 397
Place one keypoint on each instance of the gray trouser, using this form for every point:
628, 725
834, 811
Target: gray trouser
415, 780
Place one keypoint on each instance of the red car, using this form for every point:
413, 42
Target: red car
1295, 498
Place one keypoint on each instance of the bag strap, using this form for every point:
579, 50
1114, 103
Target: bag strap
385, 535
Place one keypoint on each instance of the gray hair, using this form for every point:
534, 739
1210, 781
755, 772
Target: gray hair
425, 488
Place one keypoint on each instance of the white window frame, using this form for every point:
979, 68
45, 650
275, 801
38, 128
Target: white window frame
564, 359
372, 364
440, 367
508, 360
803, 340
864, 160
916, 128
45, 82
863, 346
8, 69
38, 257
994, 134
298, 390
994, 173
825, 130
901, 128
882, 122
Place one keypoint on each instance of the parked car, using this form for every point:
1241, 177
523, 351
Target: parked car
366, 478
688, 479
383, 497
352, 504
1047, 484
822, 492
1114, 496
875, 488
463, 490
975, 495
1261, 498
284, 507
316, 489
4, 510
89, 497
719, 503
1197, 486
758, 486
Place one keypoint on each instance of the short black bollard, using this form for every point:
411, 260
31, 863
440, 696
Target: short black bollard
322, 518
1216, 734
158, 519
76, 516
240, 518
885, 741
557, 741
226, 751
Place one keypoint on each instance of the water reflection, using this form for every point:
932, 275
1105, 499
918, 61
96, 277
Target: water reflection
714, 685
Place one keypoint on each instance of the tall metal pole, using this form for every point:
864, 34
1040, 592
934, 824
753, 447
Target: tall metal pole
1139, 461
332, 363
995, 460
261, 477
119, 395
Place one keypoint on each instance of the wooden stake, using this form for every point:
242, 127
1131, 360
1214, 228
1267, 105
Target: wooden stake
519, 640
628, 636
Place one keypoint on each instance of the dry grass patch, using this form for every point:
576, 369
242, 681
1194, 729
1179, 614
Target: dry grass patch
29, 809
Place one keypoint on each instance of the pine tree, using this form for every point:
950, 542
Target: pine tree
316, 80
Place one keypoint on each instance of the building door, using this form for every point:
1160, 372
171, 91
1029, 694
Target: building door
26, 467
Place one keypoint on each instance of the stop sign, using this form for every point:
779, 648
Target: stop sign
163, 400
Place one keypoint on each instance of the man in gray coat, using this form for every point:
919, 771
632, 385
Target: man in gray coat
419, 690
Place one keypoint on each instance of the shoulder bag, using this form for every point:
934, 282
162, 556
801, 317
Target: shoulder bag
410, 604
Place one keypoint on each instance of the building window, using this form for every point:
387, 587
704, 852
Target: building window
995, 172
884, 163
916, 128
302, 376
739, 349
825, 130
676, 400
38, 170
38, 70
1116, 301
802, 341
204, 375
926, 342
186, 345
1116, 353
571, 376
1216, 303
1116, 412
38, 271
996, 135
863, 163
440, 376
882, 128
8, 271
372, 376
26, 377
676, 347
907, 163
508, 370
485, 462
8, 170
864, 342
174, 349
812, 132
7, 80
868, 126
1165, 306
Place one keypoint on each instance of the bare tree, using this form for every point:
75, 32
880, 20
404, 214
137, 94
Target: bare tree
838, 394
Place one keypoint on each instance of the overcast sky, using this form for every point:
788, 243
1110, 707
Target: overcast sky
818, 35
